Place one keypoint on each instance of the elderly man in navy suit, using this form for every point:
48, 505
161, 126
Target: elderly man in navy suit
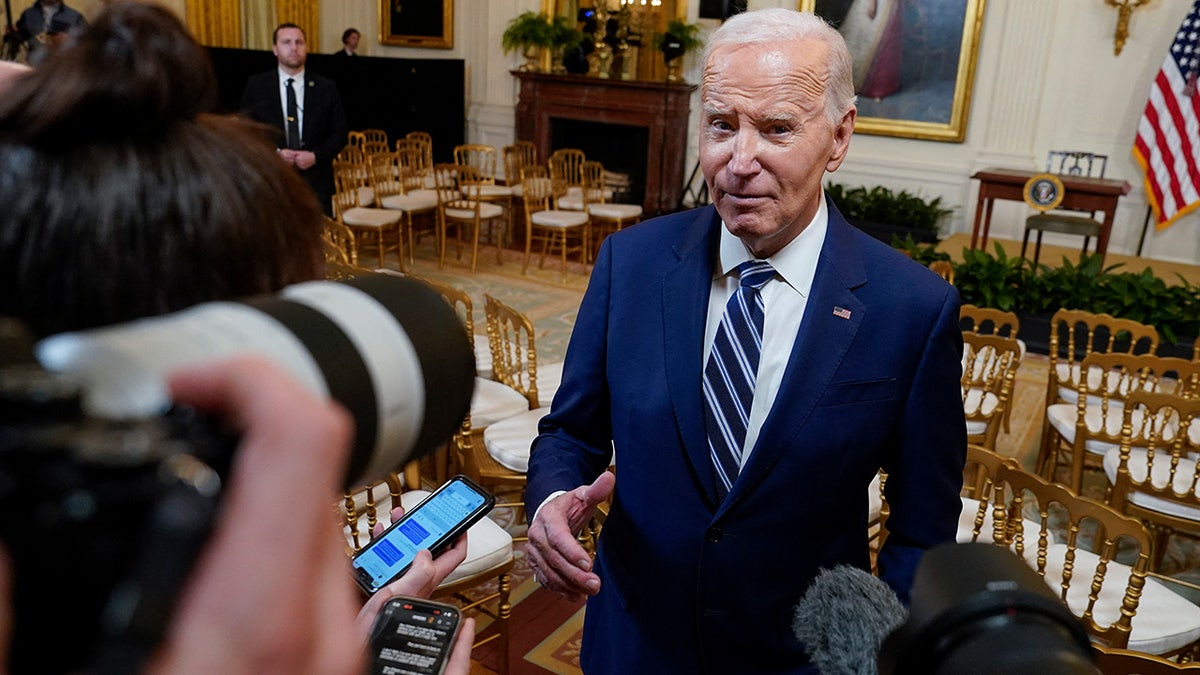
304, 106
752, 365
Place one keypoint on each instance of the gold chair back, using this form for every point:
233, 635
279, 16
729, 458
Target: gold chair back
988, 321
375, 136
356, 138
1079, 568
566, 168
514, 350
944, 269
980, 484
1158, 474
990, 364
480, 157
1075, 333
341, 246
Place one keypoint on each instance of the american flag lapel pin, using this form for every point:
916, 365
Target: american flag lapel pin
841, 312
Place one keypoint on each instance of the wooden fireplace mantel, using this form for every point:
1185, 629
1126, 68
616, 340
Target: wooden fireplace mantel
660, 107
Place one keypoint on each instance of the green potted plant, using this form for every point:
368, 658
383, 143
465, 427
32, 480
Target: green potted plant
529, 32
679, 38
563, 36
884, 213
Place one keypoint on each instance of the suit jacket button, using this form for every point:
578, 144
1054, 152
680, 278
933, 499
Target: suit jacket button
714, 535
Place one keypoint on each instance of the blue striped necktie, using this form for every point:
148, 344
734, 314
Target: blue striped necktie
731, 373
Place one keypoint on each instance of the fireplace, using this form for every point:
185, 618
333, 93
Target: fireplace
636, 129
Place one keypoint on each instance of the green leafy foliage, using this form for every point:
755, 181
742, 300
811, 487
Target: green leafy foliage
1014, 284
922, 253
883, 205
529, 29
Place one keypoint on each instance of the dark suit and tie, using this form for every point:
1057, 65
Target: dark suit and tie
321, 118
691, 579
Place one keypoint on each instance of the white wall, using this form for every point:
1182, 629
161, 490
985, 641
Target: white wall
1046, 78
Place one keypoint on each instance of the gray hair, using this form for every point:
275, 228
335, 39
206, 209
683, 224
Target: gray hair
784, 25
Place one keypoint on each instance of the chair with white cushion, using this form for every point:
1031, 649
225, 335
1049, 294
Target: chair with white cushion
606, 216
551, 226
990, 365
1154, 472
389, 175
459, 210
1099, 566
349, 185
1081, 433
1075, 334
489, 552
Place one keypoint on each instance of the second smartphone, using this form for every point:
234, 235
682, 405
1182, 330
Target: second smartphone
433, 524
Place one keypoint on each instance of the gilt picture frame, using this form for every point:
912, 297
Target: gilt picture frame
914, 63
417, 23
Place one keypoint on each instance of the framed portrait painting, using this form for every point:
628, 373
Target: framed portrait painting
914, 62
417, 23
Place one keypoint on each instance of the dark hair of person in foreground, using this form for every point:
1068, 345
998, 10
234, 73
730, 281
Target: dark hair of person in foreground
122, 195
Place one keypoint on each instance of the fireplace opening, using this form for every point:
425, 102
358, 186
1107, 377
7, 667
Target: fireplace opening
621, 148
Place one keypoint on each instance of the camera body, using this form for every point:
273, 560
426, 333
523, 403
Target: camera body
108, 492
101, 519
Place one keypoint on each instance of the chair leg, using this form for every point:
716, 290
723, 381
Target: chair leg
1025, 242
1037, 249
475, 245
528, 246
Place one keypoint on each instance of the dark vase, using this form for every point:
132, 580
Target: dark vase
672, 48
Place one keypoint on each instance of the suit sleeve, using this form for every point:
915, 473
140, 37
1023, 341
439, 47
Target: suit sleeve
335, 137
574, 444
924, 468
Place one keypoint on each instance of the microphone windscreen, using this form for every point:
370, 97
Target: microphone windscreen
843, 617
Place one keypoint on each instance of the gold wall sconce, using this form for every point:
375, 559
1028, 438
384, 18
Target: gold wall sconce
1124, 10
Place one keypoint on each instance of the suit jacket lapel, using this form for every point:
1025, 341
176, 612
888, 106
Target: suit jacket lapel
816, 354
685, 290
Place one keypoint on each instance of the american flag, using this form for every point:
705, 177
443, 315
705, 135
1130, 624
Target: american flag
1168, 140
841, 312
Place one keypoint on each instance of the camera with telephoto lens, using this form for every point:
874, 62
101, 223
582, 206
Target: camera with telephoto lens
108, 492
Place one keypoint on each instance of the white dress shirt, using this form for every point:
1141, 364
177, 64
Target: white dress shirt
298, 87
784, 298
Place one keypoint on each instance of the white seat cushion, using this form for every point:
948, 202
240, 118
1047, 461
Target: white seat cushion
571, 202
487, 191
488, 545
483, 357
487, 211
508, 440
370, 217
493, 401
1063, 416
615, 211
549, 376
518, 190
559, 219
366, 195
1182, 484
1164, 621
411, 202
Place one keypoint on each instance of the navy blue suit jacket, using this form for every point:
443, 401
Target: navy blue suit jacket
324, 119
690, 585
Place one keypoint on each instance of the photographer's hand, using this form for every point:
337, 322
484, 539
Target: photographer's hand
270, 594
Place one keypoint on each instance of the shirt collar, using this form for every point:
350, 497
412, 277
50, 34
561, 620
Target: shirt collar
284, 77
795, 263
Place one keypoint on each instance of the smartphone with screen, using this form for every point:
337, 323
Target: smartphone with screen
413, 636
433, 524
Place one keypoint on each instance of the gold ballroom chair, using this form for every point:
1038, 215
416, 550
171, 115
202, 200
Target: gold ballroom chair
1074, 334
516, 157
457, 209
606, 217
1099, 567
375, 136
981, 497
1154, 473
482, 158
349, 183
990, 364
1068, 163
566, 170
389, 176
547, 224
1081, 433
489, 552
340, 246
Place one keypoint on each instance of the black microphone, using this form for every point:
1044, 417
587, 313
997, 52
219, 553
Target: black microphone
843, 617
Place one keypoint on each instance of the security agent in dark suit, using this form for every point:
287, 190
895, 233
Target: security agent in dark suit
45, 24
311, 117
851, 362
